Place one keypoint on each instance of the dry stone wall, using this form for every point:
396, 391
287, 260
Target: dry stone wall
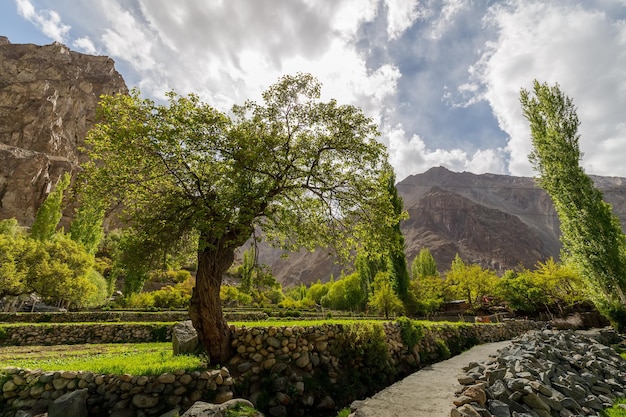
120, 316
284, 371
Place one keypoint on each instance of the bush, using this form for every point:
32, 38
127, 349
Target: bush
410, 332
171, 297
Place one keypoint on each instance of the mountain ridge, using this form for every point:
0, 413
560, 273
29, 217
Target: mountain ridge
497, 221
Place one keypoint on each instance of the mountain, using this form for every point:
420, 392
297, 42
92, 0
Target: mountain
48, 100
497, 221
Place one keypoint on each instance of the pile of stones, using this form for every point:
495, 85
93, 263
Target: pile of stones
545, 373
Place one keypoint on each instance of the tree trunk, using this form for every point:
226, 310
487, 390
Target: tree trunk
205, 309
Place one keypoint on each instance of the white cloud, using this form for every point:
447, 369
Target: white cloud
584, 50
449, 10
48, 21
231, 51
410, 155
85, 44
400, 16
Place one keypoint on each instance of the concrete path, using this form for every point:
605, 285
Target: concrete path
428, 392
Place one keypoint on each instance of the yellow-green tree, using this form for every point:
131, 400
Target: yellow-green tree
308, 173
470, 282
384, 299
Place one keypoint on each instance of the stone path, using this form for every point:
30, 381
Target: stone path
428, 392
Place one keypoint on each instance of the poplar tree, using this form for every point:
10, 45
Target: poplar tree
591, 234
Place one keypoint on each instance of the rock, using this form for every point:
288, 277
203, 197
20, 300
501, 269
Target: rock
184, 338
203, 409
145, 400
72, 404
48, 100
548, 373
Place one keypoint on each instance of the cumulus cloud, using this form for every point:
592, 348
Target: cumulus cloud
581, 48
442, 77
400, 16
411, 155
85, 44
48, 21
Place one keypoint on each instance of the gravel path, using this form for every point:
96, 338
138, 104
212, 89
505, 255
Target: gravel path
428, 392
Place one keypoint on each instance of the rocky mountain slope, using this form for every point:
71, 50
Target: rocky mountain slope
497, 221
48, 98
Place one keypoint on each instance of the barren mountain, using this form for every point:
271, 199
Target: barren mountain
48, 99
497, 221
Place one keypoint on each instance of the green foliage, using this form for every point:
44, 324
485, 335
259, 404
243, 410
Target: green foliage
397, 261
344, 412
86, 227
384, 299
551, 284
364, 342
58, 271
410, 331
617, 410
591, 234
100, 296
231, 294
307, 173
170, 297
424, 265
426, 292
317, 291
10, 227
13, 270
50, 212
443, 348
470, 282
345, 294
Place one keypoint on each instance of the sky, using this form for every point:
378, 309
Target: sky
441, 78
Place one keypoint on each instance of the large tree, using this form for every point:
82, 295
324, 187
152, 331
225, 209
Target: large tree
591, 234
308, 173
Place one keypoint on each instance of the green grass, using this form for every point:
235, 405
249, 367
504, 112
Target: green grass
128, 358
616, 410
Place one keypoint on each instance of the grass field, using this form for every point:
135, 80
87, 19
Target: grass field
125, 358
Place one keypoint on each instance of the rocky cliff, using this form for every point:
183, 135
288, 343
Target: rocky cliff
48, 99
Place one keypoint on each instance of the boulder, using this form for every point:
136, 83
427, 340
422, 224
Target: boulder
72, 404
184, 338
203, 409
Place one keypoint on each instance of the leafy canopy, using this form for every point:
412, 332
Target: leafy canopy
309, 173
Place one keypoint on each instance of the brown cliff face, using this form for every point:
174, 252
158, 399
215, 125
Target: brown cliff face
48, 100
448, 223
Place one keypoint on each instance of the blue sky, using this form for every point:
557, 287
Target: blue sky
440, 77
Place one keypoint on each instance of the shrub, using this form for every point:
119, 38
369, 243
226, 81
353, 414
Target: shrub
171, 297
410, 332
444, 350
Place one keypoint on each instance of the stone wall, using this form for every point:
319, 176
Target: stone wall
120, 316
76, 333
284, 371
115, 395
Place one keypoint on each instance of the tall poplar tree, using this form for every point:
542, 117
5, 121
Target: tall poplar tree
591, 234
